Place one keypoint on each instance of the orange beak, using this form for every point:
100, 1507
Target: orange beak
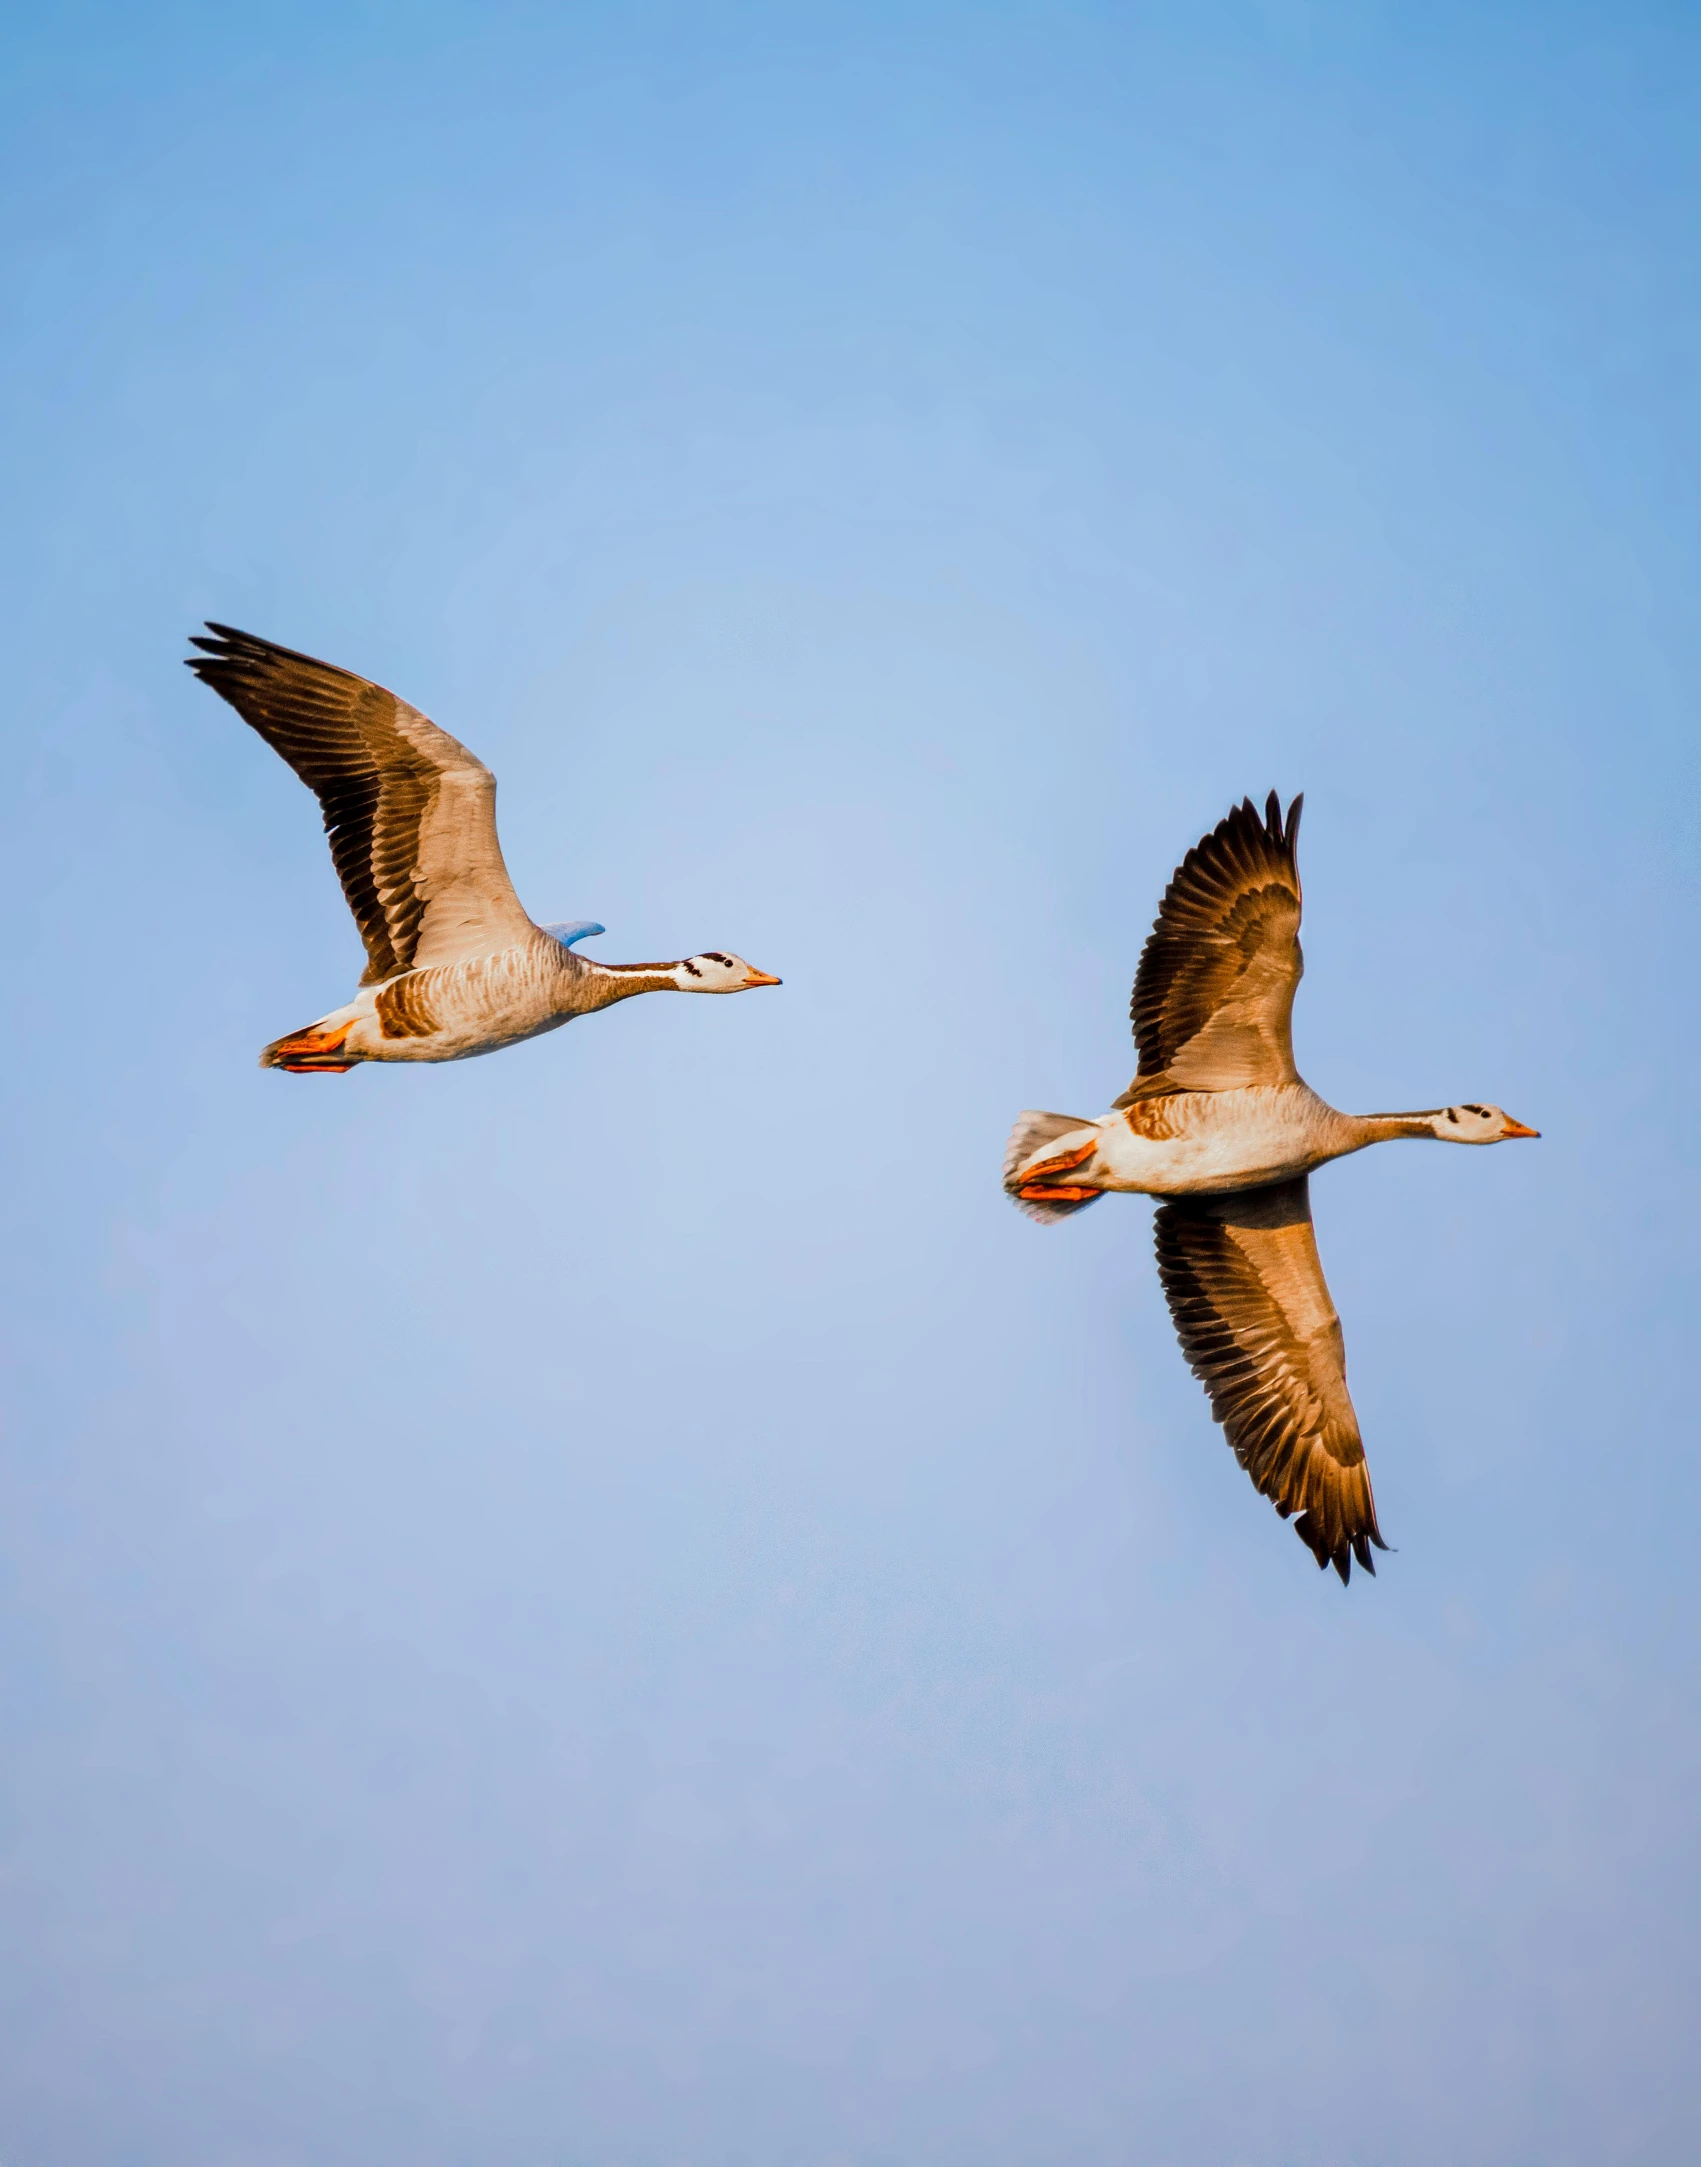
1517, 1128
761, 978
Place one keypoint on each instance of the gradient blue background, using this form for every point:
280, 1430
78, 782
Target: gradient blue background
617, 1607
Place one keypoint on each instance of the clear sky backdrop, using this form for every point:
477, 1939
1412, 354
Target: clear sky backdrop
617, 1606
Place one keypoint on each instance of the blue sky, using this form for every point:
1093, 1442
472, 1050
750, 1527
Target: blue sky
616, 1606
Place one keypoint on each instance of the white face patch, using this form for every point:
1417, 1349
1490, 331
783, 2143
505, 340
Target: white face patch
716, 970
1470, 1123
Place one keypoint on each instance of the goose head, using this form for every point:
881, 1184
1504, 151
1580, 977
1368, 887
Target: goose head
718, 972
1474, 1124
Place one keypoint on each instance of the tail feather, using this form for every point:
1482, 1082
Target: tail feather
1031, 1131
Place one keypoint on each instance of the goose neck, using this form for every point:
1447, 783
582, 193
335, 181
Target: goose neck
611, 982
1384, 1128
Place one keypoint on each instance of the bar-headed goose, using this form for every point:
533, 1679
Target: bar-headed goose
454, 966
1220, 1126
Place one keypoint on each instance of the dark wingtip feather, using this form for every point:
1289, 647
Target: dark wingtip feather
1341, 1557
1295, 808
1273, 817
228, 644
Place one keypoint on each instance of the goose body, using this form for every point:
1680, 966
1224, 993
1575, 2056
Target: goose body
1203, 1143
456, 1010
455, 967
1221, 1128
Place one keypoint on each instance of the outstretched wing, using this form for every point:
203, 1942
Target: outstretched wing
1252, 1311
1213, 997
411, 815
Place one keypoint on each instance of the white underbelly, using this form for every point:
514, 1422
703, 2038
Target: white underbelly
457, 1040
1201, 1163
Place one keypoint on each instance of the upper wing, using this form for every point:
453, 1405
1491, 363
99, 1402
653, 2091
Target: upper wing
1252, 1311
1213, 997
410, 813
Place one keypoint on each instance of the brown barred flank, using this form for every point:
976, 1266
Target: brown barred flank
1154, 1119
403, 1011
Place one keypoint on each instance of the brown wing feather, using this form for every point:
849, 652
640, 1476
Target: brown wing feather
1252, 1311
410, 813
1213, 997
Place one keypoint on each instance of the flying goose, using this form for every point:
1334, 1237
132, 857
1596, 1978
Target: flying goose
454, 967
1219, 1126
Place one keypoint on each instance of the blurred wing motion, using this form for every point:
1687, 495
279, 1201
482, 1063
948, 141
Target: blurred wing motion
411, 815
1213, 997
1252, 1311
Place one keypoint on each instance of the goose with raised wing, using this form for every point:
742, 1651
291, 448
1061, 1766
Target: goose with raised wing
1219, 1126
454, 966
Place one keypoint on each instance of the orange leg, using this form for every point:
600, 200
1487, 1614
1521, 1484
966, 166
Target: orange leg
311, 1053
1065, 1163
1055, 1192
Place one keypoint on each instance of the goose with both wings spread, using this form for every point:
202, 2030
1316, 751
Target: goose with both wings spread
1220, 1127
454, 966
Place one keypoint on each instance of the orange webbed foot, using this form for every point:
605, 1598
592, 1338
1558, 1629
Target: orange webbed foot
1064, 1163
311, 1053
